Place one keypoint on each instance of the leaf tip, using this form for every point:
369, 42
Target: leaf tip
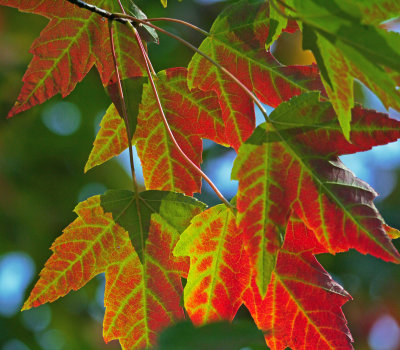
345, 125
11, 113
87, 167
25, 307
28, 304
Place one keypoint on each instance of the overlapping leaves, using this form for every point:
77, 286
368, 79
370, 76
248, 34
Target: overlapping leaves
348, 44
280, 171
192, 115
302, 306
237, 42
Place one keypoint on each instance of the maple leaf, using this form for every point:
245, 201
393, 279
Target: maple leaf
110, 141
302, 307
112, 138
281, 170
86, 247
69, 46
237, 42
347, 46
143, 295
143, 286
296, 199
218, 274
192, 115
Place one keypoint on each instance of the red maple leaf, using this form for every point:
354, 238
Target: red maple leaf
72, 43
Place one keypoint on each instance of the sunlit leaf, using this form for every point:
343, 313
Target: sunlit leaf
302, 307
86, 247
280, 170
218, 274
111, 139
191, 116
237, 42
143, 294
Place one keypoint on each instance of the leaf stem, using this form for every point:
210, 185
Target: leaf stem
187, 24
121, 7
165, 121
124, 112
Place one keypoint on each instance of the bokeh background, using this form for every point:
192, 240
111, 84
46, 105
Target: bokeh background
42, 155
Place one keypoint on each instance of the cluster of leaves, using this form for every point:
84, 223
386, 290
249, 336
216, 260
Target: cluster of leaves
295, 198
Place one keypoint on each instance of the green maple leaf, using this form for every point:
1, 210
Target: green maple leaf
348, 45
